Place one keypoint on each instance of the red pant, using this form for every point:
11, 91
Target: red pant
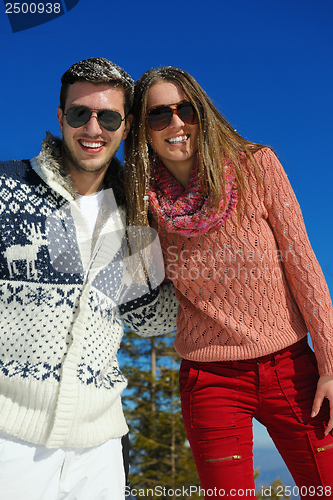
219, 401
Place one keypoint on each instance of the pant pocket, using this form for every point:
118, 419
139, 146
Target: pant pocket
322, 449
298, 381
213, 399
221, 465
188, 375
220, 452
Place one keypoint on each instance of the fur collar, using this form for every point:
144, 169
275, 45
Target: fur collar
50, 163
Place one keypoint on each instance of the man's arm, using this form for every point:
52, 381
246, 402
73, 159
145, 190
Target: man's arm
154, 313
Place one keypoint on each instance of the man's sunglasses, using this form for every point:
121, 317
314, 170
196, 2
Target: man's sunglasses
160, 117
79, 115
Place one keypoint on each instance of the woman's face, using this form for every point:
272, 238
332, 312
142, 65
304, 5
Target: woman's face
177, 144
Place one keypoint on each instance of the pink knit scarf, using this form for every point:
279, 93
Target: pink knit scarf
187, 211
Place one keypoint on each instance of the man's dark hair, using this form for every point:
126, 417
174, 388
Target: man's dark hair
98, 70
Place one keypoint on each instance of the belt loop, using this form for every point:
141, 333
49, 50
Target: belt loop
276, 358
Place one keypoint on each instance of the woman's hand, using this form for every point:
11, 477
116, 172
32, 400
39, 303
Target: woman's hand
324, 390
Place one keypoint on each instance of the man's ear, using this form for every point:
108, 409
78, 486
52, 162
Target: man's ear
60, 116
128, 124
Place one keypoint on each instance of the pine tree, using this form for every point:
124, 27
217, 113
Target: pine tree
160, 455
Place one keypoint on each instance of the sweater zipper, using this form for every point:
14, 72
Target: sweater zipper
232, 457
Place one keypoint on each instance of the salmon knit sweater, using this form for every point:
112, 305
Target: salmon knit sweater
250, 290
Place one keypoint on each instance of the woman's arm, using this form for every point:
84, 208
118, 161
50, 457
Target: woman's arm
302, 270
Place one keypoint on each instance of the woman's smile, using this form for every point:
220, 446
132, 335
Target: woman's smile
177, 144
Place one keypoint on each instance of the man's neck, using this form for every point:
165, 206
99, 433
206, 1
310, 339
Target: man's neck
87, 187
84, 182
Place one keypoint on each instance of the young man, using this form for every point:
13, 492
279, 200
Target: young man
65, 288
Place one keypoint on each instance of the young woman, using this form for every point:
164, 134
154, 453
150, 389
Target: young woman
248, 284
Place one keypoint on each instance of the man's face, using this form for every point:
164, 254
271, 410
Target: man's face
90, 148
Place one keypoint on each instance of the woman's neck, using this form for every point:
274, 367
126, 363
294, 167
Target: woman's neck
180, 170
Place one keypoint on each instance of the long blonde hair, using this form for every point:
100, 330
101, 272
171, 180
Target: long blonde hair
216, 140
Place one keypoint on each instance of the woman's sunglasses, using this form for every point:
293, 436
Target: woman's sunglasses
79, 115
160, 117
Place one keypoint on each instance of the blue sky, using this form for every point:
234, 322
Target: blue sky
267, 65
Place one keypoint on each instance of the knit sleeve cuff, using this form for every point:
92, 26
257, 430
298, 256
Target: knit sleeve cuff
150, 316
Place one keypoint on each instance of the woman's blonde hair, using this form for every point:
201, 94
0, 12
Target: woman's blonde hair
216, 140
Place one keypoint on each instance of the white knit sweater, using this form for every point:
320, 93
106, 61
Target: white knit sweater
61, 327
